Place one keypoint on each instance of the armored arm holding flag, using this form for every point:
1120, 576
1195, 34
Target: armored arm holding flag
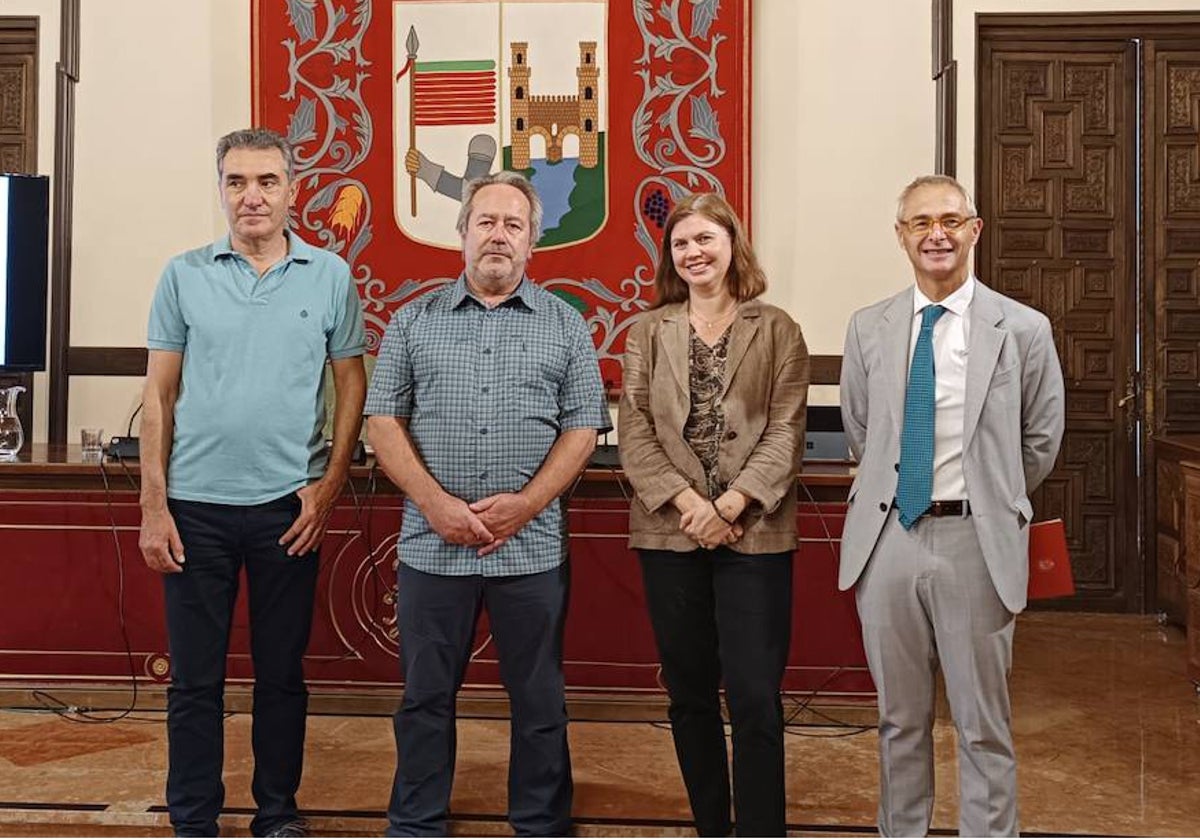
443, 93
481, 154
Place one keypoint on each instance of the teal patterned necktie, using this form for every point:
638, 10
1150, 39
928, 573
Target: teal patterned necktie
914, 489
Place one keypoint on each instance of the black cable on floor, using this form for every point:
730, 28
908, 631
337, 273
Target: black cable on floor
76, 714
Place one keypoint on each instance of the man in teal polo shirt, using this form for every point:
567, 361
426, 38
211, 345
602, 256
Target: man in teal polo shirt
235, 473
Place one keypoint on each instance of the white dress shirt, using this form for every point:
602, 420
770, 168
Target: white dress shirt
950, 341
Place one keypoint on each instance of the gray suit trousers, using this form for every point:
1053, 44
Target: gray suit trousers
925, 599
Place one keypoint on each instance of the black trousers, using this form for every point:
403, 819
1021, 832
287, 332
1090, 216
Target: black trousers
436, 616
719, 614
217, 541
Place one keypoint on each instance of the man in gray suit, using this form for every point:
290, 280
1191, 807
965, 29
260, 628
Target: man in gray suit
952, 397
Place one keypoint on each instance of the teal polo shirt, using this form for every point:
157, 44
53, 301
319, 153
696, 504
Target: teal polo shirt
251, 404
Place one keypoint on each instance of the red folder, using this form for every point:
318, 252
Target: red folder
1049, 563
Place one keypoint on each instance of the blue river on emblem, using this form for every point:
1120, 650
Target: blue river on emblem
554, 183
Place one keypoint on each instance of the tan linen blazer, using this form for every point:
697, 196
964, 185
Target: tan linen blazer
766, 392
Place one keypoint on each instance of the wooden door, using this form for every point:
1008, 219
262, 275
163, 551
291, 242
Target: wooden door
1173, 234
1173, 254
1058, 160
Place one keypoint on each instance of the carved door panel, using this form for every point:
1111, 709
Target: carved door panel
1058, 163
18, 94
1174, 135
16, 112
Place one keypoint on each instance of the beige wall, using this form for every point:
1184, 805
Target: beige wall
842, 118
158, 81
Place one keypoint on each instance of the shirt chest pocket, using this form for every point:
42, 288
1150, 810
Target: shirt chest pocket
538, 364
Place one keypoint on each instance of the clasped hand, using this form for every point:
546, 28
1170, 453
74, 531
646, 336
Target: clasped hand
486, 524
701, 523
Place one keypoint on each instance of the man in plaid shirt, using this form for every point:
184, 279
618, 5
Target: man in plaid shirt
484, 407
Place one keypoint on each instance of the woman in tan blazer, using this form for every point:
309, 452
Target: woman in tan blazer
711, 431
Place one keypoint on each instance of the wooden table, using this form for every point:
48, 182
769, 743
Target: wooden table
73, 588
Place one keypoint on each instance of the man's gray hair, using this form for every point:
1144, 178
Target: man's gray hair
934, 180
511, 179
255, 138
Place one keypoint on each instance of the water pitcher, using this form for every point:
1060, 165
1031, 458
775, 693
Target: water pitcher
12, 436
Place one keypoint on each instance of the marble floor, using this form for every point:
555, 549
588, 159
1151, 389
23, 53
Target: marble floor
1107, 727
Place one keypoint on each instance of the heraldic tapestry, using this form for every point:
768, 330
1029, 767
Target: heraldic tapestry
614, 108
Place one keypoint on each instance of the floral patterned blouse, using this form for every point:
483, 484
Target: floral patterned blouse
705, 426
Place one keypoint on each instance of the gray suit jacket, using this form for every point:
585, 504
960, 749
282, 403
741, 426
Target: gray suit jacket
1013, 424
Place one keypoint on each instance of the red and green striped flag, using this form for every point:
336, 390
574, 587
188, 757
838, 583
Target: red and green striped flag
454, 92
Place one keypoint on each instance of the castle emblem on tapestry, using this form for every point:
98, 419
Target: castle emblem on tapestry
523, 90
614, 110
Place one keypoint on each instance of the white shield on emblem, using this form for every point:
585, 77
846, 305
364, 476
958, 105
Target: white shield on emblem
510, 84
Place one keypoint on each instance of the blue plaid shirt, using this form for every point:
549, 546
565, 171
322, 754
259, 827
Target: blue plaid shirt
487, 392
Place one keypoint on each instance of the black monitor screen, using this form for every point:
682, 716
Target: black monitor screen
24, 255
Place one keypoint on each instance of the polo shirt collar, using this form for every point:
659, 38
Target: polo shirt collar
525, 294
298, 249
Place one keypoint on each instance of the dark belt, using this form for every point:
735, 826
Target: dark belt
955, 507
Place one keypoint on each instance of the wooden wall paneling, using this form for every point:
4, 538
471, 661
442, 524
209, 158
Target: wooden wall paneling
106, 361
131, 361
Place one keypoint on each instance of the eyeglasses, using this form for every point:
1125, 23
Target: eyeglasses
925, 224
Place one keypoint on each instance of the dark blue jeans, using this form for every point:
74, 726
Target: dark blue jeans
218, 540
436, 615
723, 616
